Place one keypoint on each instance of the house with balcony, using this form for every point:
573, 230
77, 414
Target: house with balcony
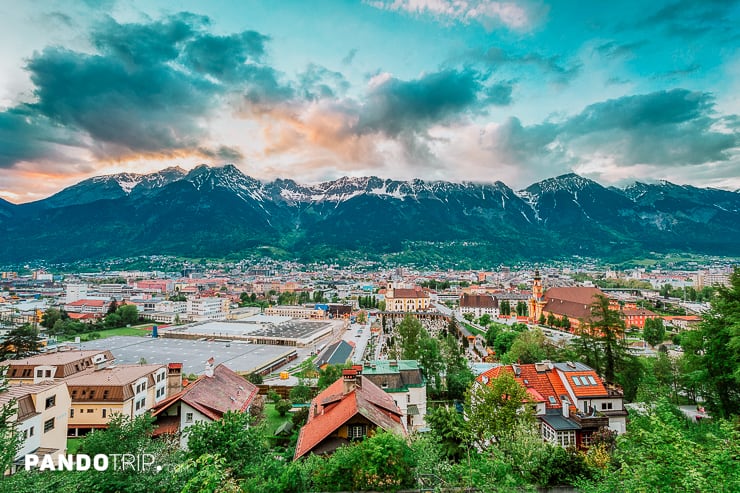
571, 401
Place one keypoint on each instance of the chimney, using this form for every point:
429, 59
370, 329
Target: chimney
209, 367
566, 408
357, 368
349, 378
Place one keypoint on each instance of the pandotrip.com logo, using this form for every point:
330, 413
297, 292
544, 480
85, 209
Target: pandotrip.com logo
143, 463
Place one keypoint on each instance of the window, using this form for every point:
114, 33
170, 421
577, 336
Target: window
39, 373
47, 373
90, 411
577, 380
606, 405
591, 380
104, 412
48, 425
105, 394
552, 400
188, 417
51, 401
12, 374
355, 432
72, 413
30, 431
92, 394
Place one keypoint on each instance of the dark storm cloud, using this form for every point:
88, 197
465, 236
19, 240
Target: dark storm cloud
25, 137
146, 44
394, 106
151, 108
224, 57
666, 128
148, 89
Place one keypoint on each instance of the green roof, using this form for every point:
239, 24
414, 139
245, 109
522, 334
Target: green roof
384, 366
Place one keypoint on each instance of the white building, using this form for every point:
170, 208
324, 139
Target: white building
199, 309
403, 380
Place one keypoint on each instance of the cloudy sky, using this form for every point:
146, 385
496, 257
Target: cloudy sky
476, 90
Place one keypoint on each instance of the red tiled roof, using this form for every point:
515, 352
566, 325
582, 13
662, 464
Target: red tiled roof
214, 396
332, 408
478, 301
590, 390
409, 293
87, 303
639, 312
574, 302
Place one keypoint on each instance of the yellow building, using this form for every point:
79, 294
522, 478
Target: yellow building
405, 299
130, 390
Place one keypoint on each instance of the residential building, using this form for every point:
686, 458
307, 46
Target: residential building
350, 409
97, 394
41, 413
214, 393
635, 317
479, 304
405, 383
571, 401
213, 308
54, 366
96, 307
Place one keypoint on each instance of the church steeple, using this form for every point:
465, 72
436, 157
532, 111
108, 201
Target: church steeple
536, 302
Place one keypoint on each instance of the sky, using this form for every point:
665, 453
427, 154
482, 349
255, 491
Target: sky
457, 90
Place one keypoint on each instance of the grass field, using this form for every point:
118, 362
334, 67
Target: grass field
139, 331
273, 419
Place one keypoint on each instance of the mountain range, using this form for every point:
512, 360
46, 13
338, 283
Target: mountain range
220, 212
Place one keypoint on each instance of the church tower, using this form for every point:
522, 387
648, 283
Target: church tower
536, 302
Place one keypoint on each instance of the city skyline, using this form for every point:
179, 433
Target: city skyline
438, 90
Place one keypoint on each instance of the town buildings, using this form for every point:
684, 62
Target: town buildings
479, 304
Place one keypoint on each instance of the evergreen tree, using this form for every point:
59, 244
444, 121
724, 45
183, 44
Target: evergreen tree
9, 436
21, 341
654, 331
713, 352
607, 327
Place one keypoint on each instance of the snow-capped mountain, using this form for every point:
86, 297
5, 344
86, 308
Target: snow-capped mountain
211, 211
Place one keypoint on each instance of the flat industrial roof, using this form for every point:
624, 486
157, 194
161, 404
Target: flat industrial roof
238, 356
301, 331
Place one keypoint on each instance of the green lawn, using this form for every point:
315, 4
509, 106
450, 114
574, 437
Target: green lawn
273, 419
122, 331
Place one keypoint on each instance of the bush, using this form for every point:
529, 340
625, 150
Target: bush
283, 406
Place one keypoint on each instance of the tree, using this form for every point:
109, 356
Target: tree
51, 316
283, 406
20, 342
654, 331
129, 314
300, 393
484, 320
112, 307
430, 360
521, 308
713, 352
565, 323
608, 327
468, 316
409, 335
450, 429
230, 437
503, 342
528, 347
495, 409
255, 378
9, 435
362, 317
329, 375
505, 308
551, 319
542, 319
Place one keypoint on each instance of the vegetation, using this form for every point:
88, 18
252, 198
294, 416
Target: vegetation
20, 342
